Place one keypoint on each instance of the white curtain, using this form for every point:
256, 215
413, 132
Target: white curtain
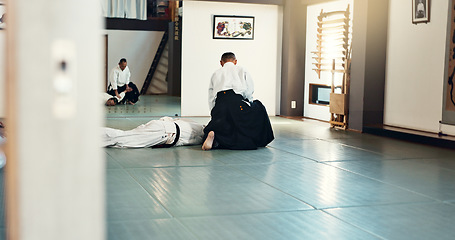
134, 9
141, 9
104, 8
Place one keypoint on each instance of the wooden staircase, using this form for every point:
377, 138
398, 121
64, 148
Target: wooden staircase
155, 82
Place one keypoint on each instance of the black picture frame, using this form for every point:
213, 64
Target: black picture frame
420, 11
233, 27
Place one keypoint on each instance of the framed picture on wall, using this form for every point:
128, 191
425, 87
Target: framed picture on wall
233, 27
2, 15
420, 11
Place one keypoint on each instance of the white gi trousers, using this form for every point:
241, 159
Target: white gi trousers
155, 132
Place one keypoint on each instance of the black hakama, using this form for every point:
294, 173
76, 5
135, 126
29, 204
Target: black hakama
132, 96
237, 125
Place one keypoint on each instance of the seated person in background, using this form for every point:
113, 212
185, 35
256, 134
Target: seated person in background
119, 81
165, 132
237, 121
110, 100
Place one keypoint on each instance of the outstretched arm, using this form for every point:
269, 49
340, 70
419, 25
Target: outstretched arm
113, 80
128, 76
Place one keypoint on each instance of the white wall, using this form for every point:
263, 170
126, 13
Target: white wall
201, 53
415, 67
311, 77
139, 49
2, 73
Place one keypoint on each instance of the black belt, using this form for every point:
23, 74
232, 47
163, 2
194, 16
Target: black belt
177, 136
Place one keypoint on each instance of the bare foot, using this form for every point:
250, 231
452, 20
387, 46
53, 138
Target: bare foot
131, 103
209, 141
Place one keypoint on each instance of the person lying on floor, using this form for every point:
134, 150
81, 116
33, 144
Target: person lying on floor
165, 132
237, 121
110, 100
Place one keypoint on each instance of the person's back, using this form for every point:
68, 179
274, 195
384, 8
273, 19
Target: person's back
230, 76
237, 121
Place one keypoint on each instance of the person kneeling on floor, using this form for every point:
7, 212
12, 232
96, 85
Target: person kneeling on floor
237, 121
119, 81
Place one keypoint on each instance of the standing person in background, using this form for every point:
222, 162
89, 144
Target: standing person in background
119, 81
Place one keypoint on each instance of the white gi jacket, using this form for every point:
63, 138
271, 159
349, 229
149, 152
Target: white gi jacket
231, 76
118, 78
155, 132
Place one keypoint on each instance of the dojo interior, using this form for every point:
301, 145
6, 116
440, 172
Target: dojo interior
387, 174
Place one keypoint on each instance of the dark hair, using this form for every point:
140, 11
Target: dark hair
228, 56
123, 60
113, 98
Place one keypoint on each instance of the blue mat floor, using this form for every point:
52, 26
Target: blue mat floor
311, 182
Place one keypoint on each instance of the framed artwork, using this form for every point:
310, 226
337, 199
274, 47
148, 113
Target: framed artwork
448, 108
449, 89
420, 11
233, 27
2, 15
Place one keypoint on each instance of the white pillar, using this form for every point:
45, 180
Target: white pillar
2, 71
55, 167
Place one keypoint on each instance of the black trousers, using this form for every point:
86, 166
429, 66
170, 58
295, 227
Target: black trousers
237, 125
132, 96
